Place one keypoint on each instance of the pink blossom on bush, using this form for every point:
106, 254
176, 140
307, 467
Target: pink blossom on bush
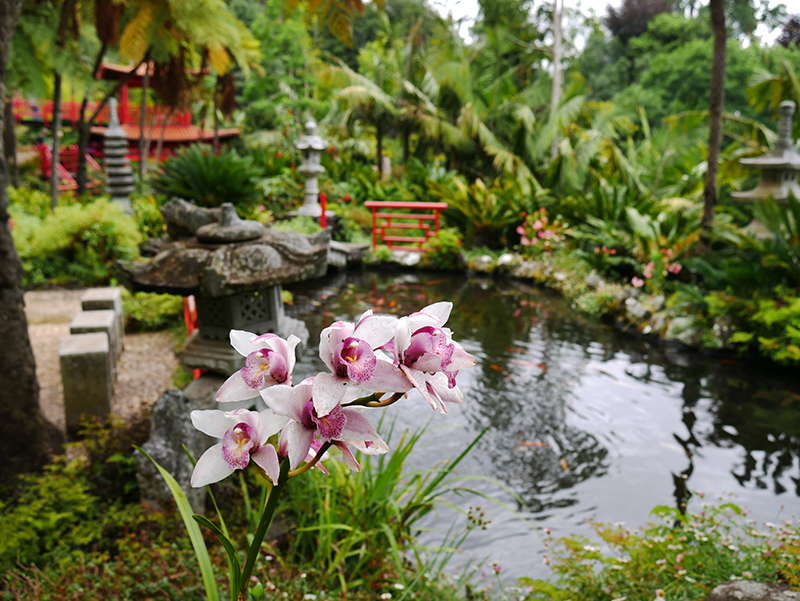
648, 270
637, 282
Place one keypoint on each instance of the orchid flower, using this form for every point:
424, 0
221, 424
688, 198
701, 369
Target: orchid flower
269, 360
427, 355
340, 426
350, 352
244, 436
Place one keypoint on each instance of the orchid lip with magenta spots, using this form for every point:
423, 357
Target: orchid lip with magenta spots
244, 437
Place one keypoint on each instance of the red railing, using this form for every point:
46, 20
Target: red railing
379, 208
42, 112
67, 166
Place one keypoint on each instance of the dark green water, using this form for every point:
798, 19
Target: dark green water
584, 422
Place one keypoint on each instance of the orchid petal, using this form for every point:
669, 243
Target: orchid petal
235, 389
358, 427
461, 359
348, 457
243, 342
269, 423
212, 422
371, 447
387, 378
418, 379
267, 459
376, 330
285, 400
298, 442
440, 311
327, 393
330, 338
211, 467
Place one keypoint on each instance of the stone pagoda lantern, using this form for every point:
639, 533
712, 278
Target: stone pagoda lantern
118, 170
311, 147
234, 269
779, 167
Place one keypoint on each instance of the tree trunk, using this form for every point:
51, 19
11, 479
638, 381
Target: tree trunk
379, 150
714, 117
11, 143
142, 125
160, 145
216, 120
84, 130
55, 130
555, 96
26, 439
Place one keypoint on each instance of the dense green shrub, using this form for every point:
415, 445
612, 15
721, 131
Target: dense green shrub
75, 243
197, 174
303, 224
149, 220
147, 311
443, 250
32, 202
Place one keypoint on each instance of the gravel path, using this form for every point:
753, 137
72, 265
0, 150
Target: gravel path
143, 374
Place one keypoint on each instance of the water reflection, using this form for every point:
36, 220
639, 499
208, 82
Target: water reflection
585, 421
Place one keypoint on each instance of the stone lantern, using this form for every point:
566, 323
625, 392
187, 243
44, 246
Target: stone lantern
779, 167
234, 269
311, 147
118, 170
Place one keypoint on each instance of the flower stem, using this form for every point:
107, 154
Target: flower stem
263, 526
304, 468
364, 400
386, 402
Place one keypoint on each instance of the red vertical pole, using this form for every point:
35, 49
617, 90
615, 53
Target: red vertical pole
436, 220
123, 105
374, 229
323, 201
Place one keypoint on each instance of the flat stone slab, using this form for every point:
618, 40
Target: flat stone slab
86, 376
104, 299
104, 320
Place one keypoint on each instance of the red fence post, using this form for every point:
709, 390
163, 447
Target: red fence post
323, 219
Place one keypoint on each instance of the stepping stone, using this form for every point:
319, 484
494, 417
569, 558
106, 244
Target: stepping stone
87, 377
98, 299
88, 322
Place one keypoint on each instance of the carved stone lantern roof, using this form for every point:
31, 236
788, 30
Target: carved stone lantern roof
310, 140
234, 269
779, 167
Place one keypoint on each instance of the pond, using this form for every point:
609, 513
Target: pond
584, 422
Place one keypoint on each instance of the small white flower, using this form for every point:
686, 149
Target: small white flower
386, 596
309, 596
303, 575
398, 586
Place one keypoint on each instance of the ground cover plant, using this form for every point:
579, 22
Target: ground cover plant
679, 556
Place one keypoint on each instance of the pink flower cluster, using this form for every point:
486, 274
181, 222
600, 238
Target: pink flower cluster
649, 269
378, 353
539, 233
605, 250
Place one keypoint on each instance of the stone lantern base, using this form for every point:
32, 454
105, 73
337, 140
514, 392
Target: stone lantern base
259, 311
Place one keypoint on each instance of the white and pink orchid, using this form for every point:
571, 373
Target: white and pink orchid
244, 437
340, 426
426, 353
269, 360
351, 353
